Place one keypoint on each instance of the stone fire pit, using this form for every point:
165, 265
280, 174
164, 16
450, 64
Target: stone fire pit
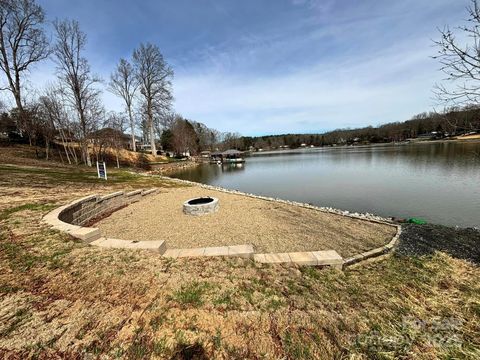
200, 206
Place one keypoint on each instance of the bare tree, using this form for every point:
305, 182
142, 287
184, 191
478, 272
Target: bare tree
115, 122
232, 140
22, 42
56, 116
78, 84
460, 62
123, 83
154, 78
185, 139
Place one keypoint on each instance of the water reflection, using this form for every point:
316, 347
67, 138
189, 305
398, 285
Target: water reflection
437, 181
232, 167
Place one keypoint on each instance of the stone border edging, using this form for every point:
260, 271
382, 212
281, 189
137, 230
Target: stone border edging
362, 216
312, 258
70, 218
244, 251
305, 255
375, 252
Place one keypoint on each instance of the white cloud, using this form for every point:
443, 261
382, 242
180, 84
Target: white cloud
354, 91
338, 64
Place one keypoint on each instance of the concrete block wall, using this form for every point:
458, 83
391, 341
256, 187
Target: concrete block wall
70, 218
84, 210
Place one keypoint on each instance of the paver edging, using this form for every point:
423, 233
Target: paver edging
93, 236
366, 217
70, 217
375, 252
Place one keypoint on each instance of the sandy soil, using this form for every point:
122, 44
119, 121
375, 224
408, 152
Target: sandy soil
269, 226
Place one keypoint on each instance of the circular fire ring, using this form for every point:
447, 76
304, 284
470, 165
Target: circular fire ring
201, 206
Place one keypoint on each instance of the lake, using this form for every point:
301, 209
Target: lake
438, 181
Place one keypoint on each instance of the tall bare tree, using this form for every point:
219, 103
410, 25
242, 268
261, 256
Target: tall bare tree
116, 123
55, 114
76, 79
185, 139
123, 83
460, 61
22, 42
154, 77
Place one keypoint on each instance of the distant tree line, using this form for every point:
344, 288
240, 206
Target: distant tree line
428, 125
70, 116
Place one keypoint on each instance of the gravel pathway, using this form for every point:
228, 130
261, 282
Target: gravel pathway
269, 226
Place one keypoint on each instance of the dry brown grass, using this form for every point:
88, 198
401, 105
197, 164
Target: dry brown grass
63, 299
269, 226
31, 156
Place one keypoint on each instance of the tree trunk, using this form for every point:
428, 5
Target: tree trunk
85, 153
65, 148
151, 130
73, 153
132, 129
61, 157
47, 148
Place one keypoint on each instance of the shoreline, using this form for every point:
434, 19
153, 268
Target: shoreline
330, 147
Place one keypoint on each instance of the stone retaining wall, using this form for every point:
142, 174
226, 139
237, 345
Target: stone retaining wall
91, 207
72, 217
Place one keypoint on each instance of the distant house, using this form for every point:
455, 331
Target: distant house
109, 135
430, 136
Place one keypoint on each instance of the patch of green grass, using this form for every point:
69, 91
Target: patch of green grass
191, 294
247, 292
295, 347
18, 318
20, 258
5, 214
157, 321
140, 348
225, 299
274, 304
8, 289
310, 272
159, 347
217, 339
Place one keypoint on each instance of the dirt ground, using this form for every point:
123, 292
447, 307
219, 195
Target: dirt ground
63, 299
269, 226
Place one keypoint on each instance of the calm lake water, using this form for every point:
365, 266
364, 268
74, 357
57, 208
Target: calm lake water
438, 182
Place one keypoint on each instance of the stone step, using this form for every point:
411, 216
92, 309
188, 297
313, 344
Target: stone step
312, 258
156, 245
244, 251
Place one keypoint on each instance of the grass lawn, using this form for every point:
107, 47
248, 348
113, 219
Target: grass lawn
60, 298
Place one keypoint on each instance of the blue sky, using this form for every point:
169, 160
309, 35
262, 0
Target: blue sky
261, 67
